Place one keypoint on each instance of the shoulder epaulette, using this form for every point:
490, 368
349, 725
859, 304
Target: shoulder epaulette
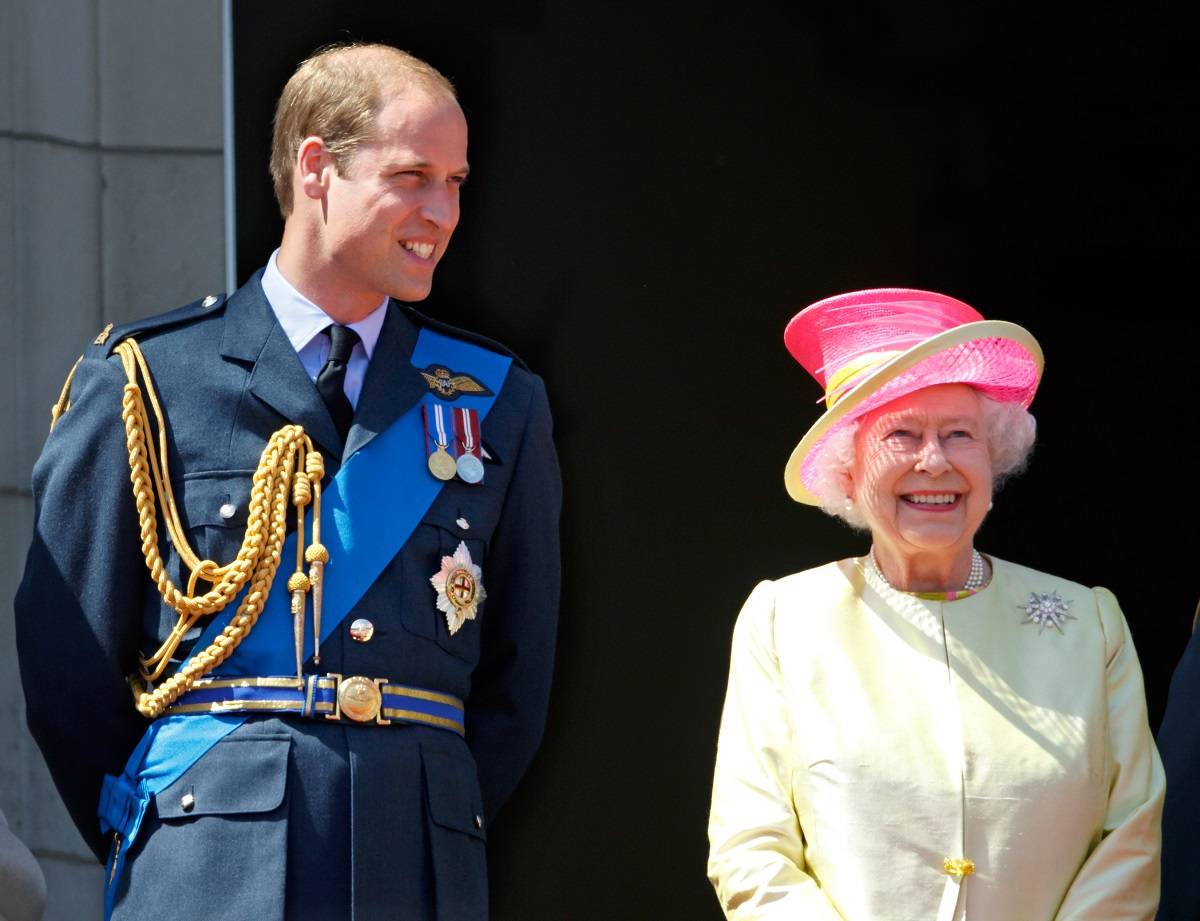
106, 341
465, 334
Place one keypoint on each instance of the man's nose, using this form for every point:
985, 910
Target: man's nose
440, 207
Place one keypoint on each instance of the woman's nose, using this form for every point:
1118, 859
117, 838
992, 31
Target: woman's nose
932, 459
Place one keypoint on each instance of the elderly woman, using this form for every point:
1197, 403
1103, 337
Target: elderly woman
926, 732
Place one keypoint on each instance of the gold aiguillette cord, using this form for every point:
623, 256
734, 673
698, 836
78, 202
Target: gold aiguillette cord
290, 468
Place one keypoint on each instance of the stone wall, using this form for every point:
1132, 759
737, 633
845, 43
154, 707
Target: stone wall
111, 184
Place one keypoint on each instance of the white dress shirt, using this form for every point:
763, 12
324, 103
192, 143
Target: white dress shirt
304, 324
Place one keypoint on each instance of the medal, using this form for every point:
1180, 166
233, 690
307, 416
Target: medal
470, 468
466, 430
459, 586
441, 464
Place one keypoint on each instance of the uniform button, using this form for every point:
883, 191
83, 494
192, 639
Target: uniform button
187, 802
209, 301
464, 524
362, 630
479, 821
228, 510
958, 867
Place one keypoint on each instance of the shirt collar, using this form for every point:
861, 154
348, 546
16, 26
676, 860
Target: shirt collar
302, 320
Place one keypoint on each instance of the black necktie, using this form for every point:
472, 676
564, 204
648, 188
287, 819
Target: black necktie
331, 382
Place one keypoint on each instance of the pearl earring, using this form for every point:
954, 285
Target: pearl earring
848, 505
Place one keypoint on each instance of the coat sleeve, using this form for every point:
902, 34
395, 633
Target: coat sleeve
510, 688
1179, 742
756, 846
1119, 881
79, 604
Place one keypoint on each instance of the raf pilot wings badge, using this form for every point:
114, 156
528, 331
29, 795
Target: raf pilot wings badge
450, 385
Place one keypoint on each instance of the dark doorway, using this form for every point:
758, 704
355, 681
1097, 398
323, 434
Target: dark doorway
655, 190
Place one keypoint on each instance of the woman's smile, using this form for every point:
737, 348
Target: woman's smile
932, 501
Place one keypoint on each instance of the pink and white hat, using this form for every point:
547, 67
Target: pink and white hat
867, 348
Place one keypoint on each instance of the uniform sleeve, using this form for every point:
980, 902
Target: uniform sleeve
756, 846
510, 689
1179, 742
1120, 879
78, 607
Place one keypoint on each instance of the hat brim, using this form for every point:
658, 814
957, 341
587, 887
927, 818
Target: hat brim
850, 406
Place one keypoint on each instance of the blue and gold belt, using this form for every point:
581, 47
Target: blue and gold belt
363, 700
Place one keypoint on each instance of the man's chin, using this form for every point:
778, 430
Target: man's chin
411, 294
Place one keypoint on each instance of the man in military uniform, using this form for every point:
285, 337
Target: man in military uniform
338, 703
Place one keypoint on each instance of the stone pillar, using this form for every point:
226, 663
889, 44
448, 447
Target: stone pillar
111, 184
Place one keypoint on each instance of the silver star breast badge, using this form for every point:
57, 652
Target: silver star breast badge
1047, 610
459, 585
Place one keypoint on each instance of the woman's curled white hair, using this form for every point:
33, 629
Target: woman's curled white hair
1010, 428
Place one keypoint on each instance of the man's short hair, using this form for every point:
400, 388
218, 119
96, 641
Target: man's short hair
335, 95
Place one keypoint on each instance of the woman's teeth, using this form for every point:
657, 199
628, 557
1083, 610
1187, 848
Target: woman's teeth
944, 498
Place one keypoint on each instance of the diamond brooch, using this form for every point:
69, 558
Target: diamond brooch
1047, 610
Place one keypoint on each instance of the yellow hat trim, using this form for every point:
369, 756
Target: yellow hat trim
843, 379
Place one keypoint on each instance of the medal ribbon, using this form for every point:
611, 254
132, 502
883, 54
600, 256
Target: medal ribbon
466, 428
436, 436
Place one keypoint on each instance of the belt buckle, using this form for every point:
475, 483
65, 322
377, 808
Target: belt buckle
359, 698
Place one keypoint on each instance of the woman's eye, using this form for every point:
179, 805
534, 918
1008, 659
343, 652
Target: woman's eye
900, 434
961, 433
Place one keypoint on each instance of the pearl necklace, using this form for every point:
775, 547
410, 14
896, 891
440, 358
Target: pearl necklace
975, 578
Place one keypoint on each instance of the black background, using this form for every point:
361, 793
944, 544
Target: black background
655, 191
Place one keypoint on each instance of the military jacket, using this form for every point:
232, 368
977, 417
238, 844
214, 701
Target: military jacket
291, 818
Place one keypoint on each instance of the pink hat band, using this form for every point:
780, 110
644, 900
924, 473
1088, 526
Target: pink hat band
867, 348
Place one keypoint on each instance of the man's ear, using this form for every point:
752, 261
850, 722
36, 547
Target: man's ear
314, 166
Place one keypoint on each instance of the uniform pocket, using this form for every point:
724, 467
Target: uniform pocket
219, 832
215, 509
456, 833
431, 542
239, 776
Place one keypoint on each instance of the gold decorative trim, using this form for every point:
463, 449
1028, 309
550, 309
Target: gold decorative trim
289, 682
418, 694
417, 717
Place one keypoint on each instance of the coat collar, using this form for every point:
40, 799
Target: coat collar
392, 385
252, 334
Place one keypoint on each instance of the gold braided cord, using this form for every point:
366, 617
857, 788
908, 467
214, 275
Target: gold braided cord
283, 476
63, 403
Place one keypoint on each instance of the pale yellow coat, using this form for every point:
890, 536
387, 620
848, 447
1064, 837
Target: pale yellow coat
868, 735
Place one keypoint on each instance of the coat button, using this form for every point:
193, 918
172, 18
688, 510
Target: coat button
463, 523
479, 821
209, 301
187, 802
227, 511
958, 867
362, 630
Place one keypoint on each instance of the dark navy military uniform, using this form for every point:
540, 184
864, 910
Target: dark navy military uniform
290, 818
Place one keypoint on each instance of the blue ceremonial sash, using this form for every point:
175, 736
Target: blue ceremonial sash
368, 514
